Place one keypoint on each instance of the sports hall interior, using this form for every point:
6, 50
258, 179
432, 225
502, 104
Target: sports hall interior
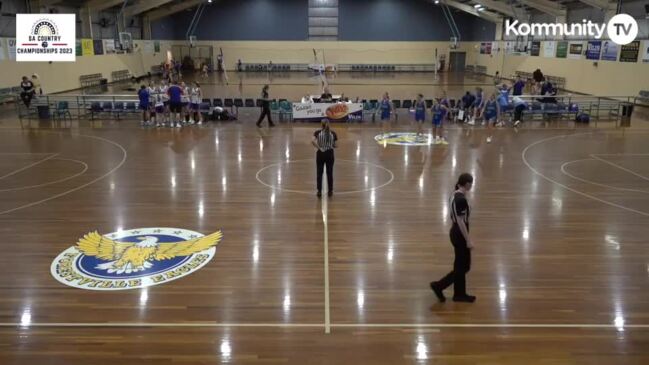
559, 206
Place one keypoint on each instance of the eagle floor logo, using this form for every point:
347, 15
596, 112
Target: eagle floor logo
621, 29
404, 139
45, 37
132, 259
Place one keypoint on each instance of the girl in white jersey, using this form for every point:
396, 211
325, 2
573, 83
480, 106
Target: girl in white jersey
158, 114
185, 101
165, 102
196, 98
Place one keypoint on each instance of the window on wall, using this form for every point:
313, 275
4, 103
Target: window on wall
323, 20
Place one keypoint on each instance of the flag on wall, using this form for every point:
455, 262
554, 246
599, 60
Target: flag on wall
593, 50
609, 51
549, 48
87, 47
645, 51
575, 49
98, 46
78, 50
562, 49
11, 48
629, 52
109, 46
156, 46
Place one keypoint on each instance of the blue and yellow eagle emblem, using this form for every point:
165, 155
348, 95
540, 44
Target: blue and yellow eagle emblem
133, 257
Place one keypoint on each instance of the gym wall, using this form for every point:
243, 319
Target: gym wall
608, 78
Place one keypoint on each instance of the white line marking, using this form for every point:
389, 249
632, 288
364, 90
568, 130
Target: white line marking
565, 172
620, 167
321, 325
325, 220
337, 192
29, 166
523, 154
85, 168
124, 157
620, 154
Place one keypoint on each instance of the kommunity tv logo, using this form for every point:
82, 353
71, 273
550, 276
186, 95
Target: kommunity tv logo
621, 29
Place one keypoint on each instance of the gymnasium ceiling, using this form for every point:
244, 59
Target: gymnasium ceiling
490, 8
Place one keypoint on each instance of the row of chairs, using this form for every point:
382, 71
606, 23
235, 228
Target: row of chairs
373, 68
266, 67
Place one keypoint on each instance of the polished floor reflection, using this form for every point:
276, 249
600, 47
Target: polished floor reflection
560, 269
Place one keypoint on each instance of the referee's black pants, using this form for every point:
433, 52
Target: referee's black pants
323, 159
518, 112
461, 266
265, 111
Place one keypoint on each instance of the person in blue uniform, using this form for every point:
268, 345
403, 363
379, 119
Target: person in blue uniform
144, 96
385, 107
438, 110
420, 113
478, 105
518, 87
491, 112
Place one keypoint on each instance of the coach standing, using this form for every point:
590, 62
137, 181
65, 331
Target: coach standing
324, 140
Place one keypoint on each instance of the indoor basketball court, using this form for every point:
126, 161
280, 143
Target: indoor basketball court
135, 235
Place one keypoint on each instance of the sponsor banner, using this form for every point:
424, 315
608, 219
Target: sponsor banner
98, 46
11, 48
562, 49
645, 51
609, 51
575, 50
629, 52
549, 49
332, 111
109, 46
593, 50
87, 47
535, 49
45, 37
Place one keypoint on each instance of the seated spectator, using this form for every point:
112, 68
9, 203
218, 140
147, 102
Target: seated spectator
538, 76
326, 96
27, 92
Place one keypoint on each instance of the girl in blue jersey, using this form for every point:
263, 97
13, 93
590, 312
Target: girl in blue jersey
478, 105
438, 111
503, 100
420, 113
491, 112
385, 107
143, 95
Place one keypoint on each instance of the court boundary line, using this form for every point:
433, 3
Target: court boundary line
318, 325
124, 157
304, 192
51, 156
619, 167
85, 168
565, 172
535, 171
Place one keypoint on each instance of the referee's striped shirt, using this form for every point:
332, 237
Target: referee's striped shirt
460, 208
325, 139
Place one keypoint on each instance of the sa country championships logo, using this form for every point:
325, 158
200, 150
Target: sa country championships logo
403, 139
43, 37
133, 259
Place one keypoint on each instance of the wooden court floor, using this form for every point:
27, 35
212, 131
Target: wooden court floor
560, 217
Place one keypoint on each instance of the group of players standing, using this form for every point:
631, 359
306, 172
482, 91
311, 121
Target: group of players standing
471, 107
174, 105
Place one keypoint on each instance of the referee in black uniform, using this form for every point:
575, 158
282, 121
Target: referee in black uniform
461, 243
265, 107
324, 140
